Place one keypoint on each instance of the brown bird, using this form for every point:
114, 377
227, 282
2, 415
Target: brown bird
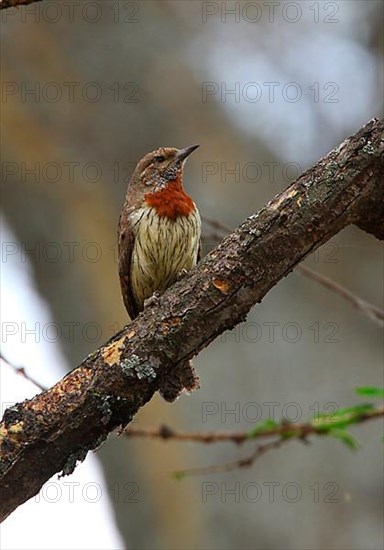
158, 240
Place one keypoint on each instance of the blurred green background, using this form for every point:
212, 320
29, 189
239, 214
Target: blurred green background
265, 89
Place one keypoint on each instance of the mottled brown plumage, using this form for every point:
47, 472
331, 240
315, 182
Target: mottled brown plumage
158, 238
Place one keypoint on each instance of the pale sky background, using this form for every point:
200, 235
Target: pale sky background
80, 498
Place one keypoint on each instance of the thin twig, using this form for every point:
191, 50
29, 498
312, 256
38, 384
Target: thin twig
372, 311
284, 429
244, 462
22, 372
218, 225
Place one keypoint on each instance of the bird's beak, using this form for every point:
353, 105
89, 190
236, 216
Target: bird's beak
184, 153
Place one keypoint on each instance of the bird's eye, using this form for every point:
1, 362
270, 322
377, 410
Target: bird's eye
160, 158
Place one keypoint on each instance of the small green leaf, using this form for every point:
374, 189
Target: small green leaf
370, 391
341, 418
345, 437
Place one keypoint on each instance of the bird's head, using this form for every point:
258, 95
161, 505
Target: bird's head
160, 167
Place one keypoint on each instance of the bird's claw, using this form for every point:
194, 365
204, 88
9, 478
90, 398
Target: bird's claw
153, 300
182, 273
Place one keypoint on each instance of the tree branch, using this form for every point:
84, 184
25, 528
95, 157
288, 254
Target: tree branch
286, 429
50, 432
15, 3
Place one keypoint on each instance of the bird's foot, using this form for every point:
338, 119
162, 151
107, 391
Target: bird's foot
182, 273
153, 300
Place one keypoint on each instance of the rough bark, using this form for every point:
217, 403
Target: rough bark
15, 3
50, 432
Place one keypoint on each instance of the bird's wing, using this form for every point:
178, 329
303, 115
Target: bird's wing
200, 251
126, 239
